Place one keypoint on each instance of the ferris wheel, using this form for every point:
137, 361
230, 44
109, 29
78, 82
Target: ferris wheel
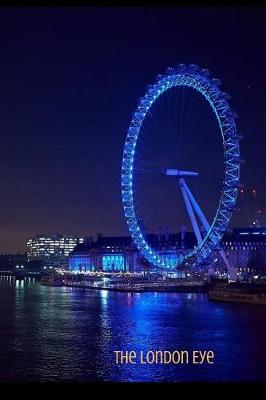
152, 130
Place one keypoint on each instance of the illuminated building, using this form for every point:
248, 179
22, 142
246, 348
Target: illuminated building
107, 254
118, 254
80, 259
53, 250
245, 250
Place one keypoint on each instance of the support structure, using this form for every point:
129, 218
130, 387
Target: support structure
193, 207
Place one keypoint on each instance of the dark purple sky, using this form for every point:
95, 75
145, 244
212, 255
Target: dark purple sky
70, 80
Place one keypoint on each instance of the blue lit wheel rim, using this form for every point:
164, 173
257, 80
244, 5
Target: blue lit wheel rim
198, 79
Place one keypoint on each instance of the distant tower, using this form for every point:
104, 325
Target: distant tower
256, 223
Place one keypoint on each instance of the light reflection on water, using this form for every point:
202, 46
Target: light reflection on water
64, 334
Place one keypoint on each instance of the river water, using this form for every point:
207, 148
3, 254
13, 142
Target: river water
50, 334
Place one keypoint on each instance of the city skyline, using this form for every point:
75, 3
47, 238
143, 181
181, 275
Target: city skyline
70, 82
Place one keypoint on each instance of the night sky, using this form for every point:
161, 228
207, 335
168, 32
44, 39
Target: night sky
70, 80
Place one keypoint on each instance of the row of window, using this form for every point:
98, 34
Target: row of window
245, 248
245, 244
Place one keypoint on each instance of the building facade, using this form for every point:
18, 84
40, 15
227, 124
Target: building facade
52, 250
119, 254
107, 254
245, 250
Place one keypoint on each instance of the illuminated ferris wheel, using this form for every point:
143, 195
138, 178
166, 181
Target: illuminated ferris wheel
168, 121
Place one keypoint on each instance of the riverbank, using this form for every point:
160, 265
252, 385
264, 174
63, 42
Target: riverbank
147, 287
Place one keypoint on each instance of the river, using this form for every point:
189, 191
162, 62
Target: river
50, 334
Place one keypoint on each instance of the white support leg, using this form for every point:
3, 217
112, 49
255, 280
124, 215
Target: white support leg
231, 270
197, 208
190, 211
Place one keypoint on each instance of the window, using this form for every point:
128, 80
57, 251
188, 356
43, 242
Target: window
114, 262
